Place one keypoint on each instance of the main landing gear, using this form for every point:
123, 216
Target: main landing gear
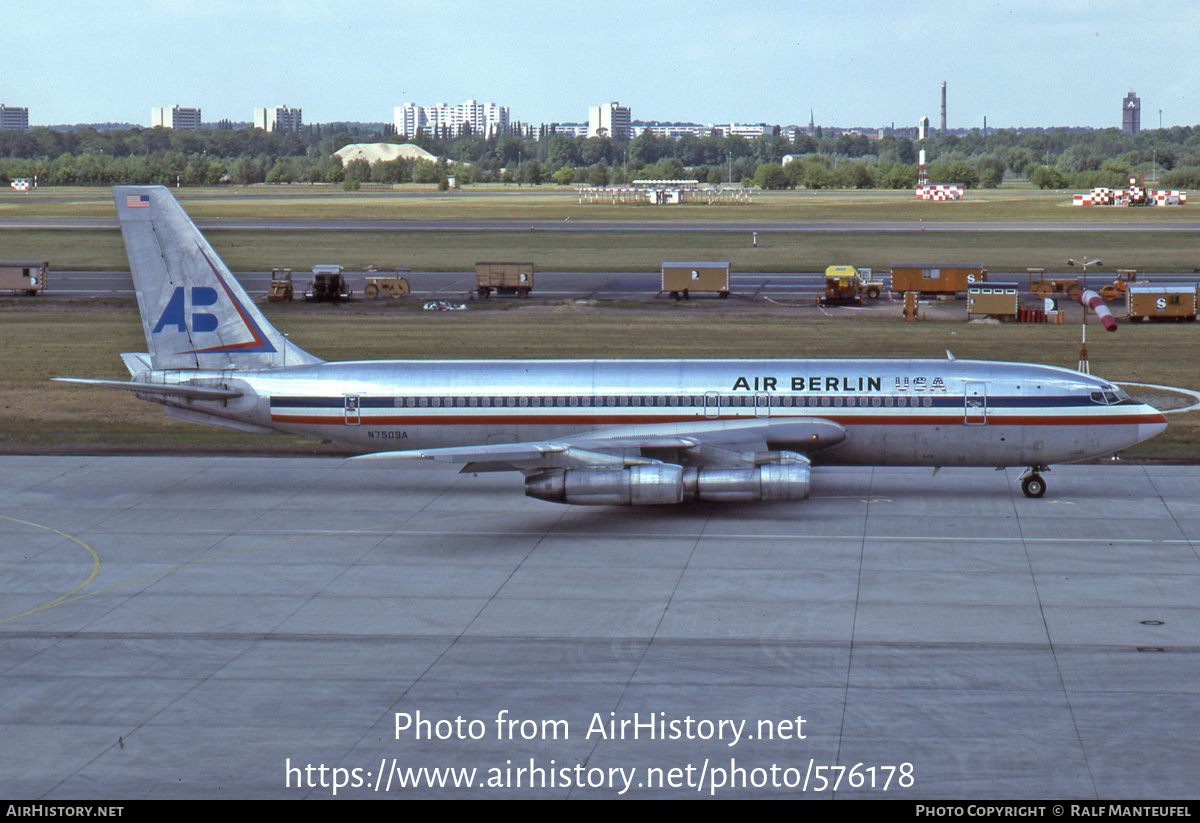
1032, 483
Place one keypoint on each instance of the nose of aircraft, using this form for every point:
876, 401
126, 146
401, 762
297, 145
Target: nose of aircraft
1152, 423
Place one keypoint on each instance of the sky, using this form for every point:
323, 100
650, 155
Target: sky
1021, 63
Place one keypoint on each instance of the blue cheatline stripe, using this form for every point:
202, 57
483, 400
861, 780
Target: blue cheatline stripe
589, 401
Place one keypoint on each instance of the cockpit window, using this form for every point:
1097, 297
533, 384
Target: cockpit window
1110, 397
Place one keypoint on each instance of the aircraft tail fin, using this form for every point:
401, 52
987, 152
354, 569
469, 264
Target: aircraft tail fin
194, 312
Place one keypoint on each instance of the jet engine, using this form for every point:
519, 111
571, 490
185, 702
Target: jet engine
661, 483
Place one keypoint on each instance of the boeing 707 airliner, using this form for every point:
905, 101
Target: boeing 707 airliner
605, 432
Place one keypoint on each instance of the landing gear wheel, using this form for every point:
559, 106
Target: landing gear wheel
1033, 485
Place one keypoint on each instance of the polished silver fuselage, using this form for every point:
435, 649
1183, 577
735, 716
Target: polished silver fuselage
894, 412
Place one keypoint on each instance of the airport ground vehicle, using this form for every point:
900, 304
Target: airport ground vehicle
847, 285
281, 289
515, 279
26, 276
681, 279
1043, 286
597, 431
1117, 288
328, 285
393, 285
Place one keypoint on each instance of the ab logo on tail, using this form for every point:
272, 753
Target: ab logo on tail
175, 314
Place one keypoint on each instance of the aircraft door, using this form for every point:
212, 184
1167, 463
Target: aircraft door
712, 404
352, 414
974, 403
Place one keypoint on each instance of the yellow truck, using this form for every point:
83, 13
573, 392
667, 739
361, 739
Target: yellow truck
847, 285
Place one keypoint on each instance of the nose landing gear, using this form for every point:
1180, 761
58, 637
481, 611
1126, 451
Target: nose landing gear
1032, 483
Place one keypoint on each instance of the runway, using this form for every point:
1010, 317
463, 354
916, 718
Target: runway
259, 628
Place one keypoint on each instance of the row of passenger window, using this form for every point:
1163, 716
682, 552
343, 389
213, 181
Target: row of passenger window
665, 401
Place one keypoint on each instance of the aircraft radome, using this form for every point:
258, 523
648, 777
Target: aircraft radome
598, 431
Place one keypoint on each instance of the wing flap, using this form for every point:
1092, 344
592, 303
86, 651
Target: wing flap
715, 442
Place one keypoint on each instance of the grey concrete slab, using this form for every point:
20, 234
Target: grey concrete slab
207, 624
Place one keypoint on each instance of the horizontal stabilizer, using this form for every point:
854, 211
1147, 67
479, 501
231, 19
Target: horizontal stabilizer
162, 389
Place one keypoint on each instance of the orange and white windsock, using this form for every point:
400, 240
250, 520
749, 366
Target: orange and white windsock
1096, 303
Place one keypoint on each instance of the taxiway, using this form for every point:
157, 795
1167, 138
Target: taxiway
225, 627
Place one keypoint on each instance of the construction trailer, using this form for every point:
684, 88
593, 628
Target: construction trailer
328, 285
1144, 302
681, 279
25, 276
998, 300
939, 279
503, 278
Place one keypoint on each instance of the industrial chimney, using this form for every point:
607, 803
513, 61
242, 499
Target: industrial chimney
943, 107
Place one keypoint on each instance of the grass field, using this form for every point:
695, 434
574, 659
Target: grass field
580, 250
83, 340
629, 251
43, 339
550, 202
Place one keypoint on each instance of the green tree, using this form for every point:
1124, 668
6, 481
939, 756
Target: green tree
1048, 177
771, 176
597, 175
991, 171
424, 172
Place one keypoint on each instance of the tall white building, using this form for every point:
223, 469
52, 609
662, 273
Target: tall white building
483, 119
610, 120
280, 118
13, 118
175, 118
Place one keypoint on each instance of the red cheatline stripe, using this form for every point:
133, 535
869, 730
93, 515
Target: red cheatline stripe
365, 418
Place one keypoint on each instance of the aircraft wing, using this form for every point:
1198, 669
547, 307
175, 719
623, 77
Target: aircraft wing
700, 443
